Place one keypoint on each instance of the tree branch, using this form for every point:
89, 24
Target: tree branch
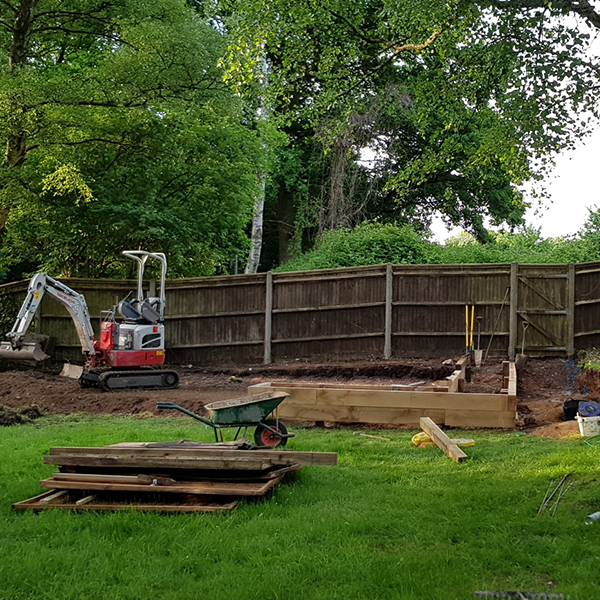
396, 51
119, 143
70, 31
581, 7
10, 7
357, 32
7, 26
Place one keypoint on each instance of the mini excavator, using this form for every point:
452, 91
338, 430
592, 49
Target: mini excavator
129, 349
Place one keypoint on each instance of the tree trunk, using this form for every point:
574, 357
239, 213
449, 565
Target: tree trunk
257, 228
16, 142
285, 226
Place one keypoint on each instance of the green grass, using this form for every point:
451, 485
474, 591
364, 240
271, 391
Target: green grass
391, 521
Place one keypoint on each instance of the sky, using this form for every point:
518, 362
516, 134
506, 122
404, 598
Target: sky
573, 186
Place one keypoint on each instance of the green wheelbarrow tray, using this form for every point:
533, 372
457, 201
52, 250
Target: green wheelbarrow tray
245, 412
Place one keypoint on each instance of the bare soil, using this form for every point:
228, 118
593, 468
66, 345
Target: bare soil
543, 386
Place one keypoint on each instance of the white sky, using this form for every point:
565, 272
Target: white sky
574, 186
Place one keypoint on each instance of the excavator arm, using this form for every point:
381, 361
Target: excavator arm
17, 349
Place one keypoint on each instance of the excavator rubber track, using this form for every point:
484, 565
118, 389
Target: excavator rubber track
137, 379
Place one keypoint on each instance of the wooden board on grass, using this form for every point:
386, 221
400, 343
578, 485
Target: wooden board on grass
117, 461
72, 501
442, 441
268, 457
204, 488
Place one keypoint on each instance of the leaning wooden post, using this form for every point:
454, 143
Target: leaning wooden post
571, 311
441, 440
514, 299
389, 293
268, 316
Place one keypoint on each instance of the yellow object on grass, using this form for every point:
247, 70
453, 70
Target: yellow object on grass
422, 438
419, 438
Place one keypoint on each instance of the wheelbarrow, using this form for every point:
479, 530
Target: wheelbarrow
249, 411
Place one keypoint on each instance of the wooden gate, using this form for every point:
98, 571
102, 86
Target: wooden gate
541, 325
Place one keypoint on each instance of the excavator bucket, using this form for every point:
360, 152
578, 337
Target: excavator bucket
25, 352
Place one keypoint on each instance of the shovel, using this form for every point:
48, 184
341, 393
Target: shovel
521, 359
479, 352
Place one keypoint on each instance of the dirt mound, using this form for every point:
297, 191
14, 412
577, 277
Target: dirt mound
16, 416
543, 386
391, 370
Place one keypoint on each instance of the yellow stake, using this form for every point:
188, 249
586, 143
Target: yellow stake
472, 325
467, 327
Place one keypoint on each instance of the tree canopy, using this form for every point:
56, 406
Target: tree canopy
138, 123
119, 133
461, 102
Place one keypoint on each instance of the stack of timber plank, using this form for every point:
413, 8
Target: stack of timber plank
166, 477
445, 402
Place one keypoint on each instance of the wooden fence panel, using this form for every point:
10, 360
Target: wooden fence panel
429, 315
587, 306
543, 309
336, 314
355, 313
215, 320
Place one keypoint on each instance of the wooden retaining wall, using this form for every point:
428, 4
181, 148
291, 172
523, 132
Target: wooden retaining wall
397, 405
375, 312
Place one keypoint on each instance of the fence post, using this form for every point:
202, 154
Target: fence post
389, 292
514, 299
268, 316
571, 311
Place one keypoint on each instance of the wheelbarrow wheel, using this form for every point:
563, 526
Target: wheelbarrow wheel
264, 437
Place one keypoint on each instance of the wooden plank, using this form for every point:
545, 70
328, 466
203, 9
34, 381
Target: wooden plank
485, 419
386, 397
571, 311
85, 500
326, 338
38, 503
389, 293
442, 440
200, 455
106, 478
322, 307
259, 388
83, 460
204, 488
513, 307
512, 380
341, 414
268, 318
52, 497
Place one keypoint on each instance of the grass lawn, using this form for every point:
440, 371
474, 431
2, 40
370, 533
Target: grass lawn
391, 521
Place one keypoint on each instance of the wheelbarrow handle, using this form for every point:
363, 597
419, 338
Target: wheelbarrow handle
172, 405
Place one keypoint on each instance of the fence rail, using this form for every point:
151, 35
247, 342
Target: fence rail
382, 311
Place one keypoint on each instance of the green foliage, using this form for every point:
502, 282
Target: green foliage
590, 235
123, 136
375, 243
527, 246
589, 359
368, 244
462, 101
390, 521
